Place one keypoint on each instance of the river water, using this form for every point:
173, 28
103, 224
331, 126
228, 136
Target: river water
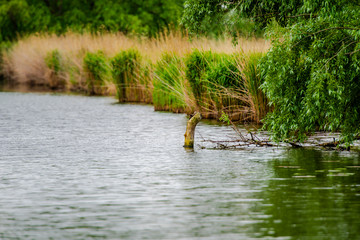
75, 167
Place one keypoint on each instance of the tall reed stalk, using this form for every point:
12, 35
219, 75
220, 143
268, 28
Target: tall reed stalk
130, 76
252, 94
171, 89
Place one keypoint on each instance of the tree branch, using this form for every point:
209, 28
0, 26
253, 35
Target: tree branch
351, 53
335, 28
302, 15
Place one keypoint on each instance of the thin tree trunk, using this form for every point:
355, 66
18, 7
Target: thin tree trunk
190, 130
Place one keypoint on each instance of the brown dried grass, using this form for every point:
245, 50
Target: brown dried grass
25, 62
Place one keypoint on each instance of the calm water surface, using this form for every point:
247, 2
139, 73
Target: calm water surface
76, 167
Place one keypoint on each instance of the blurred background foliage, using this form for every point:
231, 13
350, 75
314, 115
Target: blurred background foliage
21, 17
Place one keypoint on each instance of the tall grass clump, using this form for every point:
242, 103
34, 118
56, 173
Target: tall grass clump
211, 75
222, 77
55, 64
255, 104
197, 63
130, 76
253, 80
97, 69
5, 47
171, 91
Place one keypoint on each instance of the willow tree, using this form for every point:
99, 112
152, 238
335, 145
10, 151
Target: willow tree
312, 71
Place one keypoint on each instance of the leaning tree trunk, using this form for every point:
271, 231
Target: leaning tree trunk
190, 130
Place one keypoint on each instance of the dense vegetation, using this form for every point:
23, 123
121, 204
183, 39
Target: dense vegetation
20, 17
170, 72
310, 75
312, 71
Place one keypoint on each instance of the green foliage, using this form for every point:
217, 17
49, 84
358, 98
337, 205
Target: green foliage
74, 73
168, 93
4, 47
210, 75
311, 73
223, 72
225, 118
53, 61
97, 68
125, 67
205, 69
253, 80
21, 17
215, 18
142, 17
196, 64
199, 13
14, 16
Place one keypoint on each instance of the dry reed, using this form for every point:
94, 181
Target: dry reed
25, 64
26, 60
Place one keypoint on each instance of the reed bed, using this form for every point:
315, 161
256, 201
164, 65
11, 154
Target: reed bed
171, 71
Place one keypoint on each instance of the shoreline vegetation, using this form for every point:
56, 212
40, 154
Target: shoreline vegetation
172, 72
162, 53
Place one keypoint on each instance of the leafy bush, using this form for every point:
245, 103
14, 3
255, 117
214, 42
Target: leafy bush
312, 75
96, 66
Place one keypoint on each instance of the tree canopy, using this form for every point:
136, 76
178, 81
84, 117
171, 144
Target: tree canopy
146, 17
312, 72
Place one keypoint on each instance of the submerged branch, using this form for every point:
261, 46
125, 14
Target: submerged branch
252, 140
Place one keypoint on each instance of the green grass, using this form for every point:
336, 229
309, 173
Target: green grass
169, 84
97, 69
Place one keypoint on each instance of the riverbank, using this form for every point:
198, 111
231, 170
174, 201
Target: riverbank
171, 72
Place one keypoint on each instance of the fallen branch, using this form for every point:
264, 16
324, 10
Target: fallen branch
251, 141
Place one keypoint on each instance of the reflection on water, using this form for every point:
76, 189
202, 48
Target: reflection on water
313, 195
84, 168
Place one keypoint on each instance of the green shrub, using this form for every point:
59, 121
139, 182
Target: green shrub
96, 66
